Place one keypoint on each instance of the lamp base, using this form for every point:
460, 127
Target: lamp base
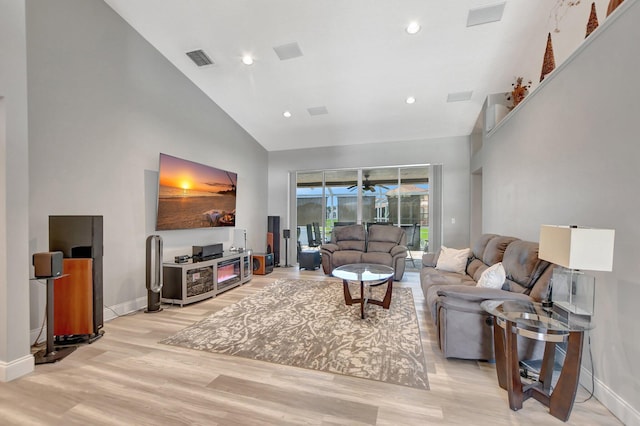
573, 291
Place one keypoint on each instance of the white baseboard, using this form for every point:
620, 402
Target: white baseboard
16, 368
628, 415
612, 401
115, 311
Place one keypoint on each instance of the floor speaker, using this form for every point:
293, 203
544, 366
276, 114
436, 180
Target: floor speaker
269, 242
273, 226
80, 237
262, 263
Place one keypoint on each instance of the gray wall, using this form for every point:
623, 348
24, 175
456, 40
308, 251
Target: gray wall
15, 354
569, 155
103, 104
453, 153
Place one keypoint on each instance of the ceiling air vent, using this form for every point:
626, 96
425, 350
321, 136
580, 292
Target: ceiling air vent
320, 110
485, 14
288, 51
459, 96
199, 58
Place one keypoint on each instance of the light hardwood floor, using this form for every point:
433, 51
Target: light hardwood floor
128, 378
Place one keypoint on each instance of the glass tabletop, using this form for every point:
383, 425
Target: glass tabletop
532, 316
363, 272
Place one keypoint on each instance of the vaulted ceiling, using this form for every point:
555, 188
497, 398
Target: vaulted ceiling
357, 64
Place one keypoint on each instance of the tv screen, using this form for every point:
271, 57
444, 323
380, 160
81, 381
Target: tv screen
193, 195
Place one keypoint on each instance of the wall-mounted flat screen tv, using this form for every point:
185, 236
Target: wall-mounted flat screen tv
193, 195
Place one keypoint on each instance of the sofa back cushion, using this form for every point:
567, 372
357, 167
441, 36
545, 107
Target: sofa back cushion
387, 234
481, 244
351, 237
495, 249
476, 266
383, 238
522, 266
487, 251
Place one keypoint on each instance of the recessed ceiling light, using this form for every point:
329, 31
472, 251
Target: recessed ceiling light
413, 28
287, 114
410, 100
247, 60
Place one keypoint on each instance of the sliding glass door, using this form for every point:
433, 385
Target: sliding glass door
397, 196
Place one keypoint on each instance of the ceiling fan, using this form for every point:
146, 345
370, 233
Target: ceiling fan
367, 185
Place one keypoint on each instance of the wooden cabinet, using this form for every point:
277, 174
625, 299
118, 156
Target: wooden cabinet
190, 282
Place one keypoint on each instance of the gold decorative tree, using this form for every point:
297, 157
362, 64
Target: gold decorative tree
592, 24
549, 62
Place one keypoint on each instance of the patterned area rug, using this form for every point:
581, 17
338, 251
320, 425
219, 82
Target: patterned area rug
305, 323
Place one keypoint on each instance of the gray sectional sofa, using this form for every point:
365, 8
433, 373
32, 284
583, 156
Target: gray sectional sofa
464, 329
382, 244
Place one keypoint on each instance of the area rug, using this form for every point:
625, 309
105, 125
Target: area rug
305, 323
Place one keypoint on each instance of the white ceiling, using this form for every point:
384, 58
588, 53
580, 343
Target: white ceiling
358, 61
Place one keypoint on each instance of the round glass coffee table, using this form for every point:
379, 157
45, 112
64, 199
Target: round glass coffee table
368, 275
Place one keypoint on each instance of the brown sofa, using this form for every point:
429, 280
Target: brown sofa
464, 329
382, 244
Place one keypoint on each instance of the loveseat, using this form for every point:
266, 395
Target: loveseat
464, 329
381, 244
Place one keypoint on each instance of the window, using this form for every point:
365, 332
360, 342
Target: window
396, 196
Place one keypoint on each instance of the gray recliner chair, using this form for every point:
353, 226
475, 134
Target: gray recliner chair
383, 245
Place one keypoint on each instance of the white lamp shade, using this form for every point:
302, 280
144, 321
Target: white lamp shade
587, 249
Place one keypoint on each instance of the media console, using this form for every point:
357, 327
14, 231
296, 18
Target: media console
190, 282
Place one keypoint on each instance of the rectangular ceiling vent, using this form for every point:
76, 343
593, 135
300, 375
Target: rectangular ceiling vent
288, 51
459, 96
200, 58
320, 110
485, 14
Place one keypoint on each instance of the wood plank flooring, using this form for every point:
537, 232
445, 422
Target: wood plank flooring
128, 378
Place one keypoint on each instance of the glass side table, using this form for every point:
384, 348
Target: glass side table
531, 320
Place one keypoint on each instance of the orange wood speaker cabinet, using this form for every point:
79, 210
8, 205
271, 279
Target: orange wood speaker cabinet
262, 263
73, 299
269, 242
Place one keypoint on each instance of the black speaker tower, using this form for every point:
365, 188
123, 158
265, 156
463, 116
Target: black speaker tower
273, 226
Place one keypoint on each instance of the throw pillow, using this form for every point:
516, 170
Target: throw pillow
493, 277
453, 260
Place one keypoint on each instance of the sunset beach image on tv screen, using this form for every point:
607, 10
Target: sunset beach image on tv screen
193, 195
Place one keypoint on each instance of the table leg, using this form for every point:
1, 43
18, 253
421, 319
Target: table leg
347, 294
50, 284
499, 354
386, 302
514, 384
363, 299
546, 369
564, 394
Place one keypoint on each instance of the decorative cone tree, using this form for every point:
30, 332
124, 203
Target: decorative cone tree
612, 6
592, 24
549, 62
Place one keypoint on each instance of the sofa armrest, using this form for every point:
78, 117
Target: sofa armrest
330, 247
396, 250
479, 294
430, 259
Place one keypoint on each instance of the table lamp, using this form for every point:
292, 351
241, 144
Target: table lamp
574, 249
